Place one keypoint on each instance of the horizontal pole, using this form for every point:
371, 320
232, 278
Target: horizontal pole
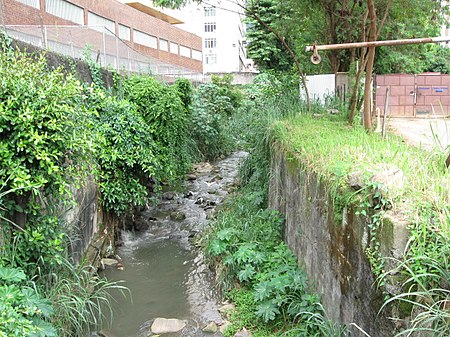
378, 43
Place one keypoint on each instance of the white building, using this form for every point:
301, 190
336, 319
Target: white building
445, 31
220, 25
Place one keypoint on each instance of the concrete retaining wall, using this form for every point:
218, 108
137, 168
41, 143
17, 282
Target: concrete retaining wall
333, 254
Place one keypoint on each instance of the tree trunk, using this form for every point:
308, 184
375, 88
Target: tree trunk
361, 67
369, 67
354, 97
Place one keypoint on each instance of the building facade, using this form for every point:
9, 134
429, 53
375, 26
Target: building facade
107, 25
220, 24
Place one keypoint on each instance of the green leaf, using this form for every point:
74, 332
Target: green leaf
247, 273
11, 274
44, 329
217, 247
32, 299
267, 311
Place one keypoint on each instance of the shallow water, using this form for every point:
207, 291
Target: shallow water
163, 270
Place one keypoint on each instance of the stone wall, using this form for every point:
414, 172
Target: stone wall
333, 254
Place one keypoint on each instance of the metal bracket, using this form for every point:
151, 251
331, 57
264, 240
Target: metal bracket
315, 57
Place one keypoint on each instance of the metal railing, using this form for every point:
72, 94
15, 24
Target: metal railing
104, 46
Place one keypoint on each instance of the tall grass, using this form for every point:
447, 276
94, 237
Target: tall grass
425, 296
80, 298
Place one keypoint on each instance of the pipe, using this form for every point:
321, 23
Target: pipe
378, 43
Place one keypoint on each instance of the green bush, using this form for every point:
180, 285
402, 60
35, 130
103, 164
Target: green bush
127, 155
227, 89
41, 129
210, 115
23, 311
164, 110
185, 90
249, 245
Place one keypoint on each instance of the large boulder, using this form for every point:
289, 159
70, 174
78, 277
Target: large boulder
167, 325
392, 179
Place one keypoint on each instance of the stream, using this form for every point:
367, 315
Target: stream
162, 268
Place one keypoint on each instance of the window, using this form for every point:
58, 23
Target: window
173, 48
211, 59
163, 45
99, 23
210, 43
210, 11
185, 51
65, 10
210, 27
124, 32
196, 55
32, 3
145, 39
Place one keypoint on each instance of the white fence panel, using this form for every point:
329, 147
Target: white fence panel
321, 86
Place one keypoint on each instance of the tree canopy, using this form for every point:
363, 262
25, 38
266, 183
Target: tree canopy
303, 22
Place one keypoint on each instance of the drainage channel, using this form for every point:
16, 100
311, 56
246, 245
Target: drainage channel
165, 273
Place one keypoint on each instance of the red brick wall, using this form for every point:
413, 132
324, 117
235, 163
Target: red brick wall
17, 13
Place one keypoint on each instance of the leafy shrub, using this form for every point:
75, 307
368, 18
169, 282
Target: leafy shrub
265, 86
23, 312
41, 246
248, 244
210, 114
164, 111
227, 89
126, 153
185, 90
40, 128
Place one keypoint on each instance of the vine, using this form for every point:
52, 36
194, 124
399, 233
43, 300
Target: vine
373, 207
94, 67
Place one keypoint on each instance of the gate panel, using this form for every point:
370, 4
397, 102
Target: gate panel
414, 95
432, 94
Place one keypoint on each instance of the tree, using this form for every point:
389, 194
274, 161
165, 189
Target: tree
253, 10
280, 30
264, 48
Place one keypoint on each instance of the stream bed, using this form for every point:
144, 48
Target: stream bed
162, 268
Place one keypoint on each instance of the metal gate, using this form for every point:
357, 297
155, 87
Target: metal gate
421, 95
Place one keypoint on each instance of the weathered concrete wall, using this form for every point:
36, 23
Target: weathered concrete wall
333, 254
93, 231
239, 78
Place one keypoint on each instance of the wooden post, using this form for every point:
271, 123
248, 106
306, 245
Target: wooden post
386, 107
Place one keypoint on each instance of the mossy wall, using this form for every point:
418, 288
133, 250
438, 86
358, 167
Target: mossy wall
333, 254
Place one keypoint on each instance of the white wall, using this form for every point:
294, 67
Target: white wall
321, 86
